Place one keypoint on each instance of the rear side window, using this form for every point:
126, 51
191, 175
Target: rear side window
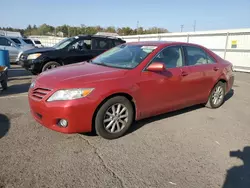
27, 41
100, 44
117, 42
37, 42
4, 42
16, 41
197, 56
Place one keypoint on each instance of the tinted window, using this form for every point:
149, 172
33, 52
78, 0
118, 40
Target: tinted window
170, 56
37, 42
118, 42
16, 41
100, 44
28, 41
197, 56
81, 45
4, 42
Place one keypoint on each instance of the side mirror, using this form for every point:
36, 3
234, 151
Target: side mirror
156, 67
12, 44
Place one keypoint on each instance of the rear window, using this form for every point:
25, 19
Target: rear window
16, 41
27, 41
37, 42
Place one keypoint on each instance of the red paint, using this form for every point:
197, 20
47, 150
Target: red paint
154, 92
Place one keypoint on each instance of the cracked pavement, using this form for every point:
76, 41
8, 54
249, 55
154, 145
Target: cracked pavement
185, 149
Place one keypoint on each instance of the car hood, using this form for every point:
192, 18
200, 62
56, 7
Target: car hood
77, 75
38, 50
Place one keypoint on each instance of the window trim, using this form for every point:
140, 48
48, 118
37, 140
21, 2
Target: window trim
202, 49
172, 45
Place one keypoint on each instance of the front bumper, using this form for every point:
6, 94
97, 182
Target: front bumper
31, 65
78, 113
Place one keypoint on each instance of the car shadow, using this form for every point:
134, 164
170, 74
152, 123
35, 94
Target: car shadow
138, 124
15, 89
18, 71
4, 125
239, 176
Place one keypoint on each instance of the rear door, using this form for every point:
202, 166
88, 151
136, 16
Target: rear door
78, 51
204, 71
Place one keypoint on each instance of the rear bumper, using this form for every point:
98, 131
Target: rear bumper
230, 83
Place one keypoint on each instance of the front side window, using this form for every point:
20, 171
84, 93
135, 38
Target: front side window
124, 56
4, 42
37, 42
81, 45
170, 56
197, 56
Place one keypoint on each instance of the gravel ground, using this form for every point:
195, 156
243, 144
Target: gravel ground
185, 149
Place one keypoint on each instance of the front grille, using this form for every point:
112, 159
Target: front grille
40, 93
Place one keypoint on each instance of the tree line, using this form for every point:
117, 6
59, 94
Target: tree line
68, 31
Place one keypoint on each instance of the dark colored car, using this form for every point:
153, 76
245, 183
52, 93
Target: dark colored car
70, 50
130, 82
3, 77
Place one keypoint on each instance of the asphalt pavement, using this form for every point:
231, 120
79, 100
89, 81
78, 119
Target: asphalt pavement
189, 148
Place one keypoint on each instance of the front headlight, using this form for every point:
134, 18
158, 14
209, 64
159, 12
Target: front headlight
70, 94
33, 56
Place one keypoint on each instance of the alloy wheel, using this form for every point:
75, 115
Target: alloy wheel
115, 118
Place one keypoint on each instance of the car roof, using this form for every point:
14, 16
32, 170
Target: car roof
98, 36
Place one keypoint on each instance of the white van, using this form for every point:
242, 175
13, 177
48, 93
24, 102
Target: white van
37, 43
23, 43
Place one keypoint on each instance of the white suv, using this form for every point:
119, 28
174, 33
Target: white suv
23, 43
14, 50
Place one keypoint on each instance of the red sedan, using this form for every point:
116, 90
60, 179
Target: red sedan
130, 82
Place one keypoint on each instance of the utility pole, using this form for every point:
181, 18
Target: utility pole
137, 27
182, 27
194, 25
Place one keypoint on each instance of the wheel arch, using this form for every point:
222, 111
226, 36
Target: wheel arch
126, 95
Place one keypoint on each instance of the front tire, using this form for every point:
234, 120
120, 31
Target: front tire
50, 65
4, 84
114, 118
217, 96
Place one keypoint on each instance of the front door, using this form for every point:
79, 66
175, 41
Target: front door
164, 91
78, 52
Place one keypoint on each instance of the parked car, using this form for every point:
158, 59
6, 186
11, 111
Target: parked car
14, 50
129, 82
4, 77
37, 43
70, 50
24, 44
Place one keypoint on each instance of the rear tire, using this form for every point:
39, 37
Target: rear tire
4, 84
217, 96
114, 118
50, 65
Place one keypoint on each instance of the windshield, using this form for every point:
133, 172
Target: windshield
124, 56
63, 43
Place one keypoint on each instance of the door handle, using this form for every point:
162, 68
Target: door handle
216, 68
184, 73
